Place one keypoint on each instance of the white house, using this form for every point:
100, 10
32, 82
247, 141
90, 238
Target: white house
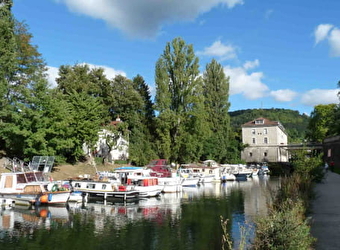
266, 141
119, 145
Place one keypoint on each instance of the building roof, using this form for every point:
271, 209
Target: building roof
118, 120
262, 122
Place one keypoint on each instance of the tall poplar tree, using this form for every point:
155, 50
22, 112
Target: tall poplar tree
216, 93
179, 103
141, 144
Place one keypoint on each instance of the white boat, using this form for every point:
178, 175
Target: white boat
32, 188
104, 190
129, 172
139, 179
226, 172
241, 172
147, 186
187, 176
189, 182
170, 184
264, 170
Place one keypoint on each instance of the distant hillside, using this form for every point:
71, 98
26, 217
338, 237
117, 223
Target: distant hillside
294, 123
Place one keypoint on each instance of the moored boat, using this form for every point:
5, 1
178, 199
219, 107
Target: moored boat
32, 188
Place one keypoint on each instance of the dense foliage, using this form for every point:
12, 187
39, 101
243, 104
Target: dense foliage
325, 121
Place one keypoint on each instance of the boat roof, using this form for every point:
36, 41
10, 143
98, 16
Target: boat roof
128, 168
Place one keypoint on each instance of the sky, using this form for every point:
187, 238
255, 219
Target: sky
278, 54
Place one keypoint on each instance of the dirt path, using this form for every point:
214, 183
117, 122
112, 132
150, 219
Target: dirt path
326, 213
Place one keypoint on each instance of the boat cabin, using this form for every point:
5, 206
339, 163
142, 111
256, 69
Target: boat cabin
15, 182
159, 168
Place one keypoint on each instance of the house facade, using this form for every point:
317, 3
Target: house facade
265, 140
107, 140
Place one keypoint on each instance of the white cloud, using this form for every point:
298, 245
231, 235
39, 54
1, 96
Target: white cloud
52, 73
321, 32
144, 18
108, 71
218, 49
334, 42
283, 95
251, 64
249, 85
320, 96
330, 33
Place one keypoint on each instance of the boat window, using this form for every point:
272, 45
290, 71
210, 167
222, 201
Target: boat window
39, 176
91, 186
77, 185
31, 177
9, 182
104, 186
21, 178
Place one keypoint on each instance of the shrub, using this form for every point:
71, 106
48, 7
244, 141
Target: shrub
284, 229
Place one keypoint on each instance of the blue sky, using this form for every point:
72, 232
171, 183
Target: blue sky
278, 54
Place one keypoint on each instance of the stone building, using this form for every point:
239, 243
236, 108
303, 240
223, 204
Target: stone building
266, 141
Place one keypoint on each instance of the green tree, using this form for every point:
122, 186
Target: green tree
216, 93
124, 100
86, 119
335, 125
147, 110
24, 116
8, 54
320, 122
81, 78
179, 103
141, 144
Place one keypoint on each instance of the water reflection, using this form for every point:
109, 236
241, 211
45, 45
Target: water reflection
186, 220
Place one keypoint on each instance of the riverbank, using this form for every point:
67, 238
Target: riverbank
326, 213
66, 171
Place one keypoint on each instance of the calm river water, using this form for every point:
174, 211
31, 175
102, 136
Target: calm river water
187, 220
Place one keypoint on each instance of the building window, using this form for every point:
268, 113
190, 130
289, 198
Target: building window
259, 121
253, 131
254, 141
265, 140
265, 131
265, 154
329, 152
251, 154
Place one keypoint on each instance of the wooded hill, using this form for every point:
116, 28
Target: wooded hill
294, 122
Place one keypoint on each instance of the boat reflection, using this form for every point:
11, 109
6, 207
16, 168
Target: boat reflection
157, 209
22, 221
